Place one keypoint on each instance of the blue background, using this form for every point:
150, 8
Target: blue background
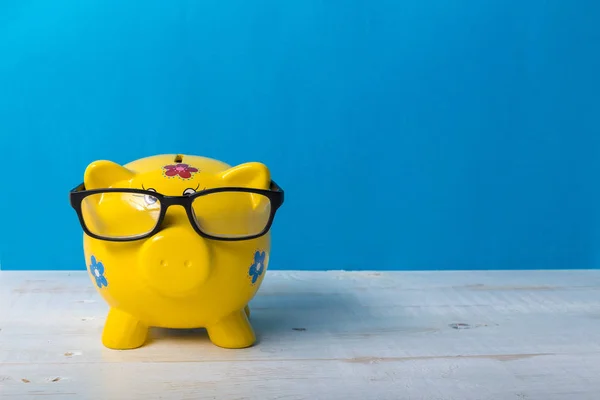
408, 134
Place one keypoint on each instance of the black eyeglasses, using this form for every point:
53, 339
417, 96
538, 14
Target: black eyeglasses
226, 213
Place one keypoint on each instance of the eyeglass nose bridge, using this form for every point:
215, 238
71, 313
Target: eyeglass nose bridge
176, 210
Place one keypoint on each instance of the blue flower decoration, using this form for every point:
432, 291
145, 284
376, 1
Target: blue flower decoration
258, 266
97, 270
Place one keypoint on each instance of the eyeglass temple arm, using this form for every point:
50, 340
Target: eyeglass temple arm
275, 186
78, 188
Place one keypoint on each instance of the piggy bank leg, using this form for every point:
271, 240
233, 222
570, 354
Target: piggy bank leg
233, 331
122, 331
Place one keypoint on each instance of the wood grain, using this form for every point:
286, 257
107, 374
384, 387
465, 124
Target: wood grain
322, 335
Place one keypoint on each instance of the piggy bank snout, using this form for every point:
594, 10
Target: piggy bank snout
175, 262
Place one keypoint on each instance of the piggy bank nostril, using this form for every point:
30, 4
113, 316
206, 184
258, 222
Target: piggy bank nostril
186, 263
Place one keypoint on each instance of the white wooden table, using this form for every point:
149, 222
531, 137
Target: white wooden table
322, 335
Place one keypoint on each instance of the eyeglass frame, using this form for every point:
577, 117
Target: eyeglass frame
275, 195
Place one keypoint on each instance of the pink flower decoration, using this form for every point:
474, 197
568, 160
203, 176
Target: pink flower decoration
183, 170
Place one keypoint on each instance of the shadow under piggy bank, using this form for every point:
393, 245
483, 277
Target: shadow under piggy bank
282, 312
275, 318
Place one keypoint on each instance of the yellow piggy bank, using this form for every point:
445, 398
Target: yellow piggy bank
176, 241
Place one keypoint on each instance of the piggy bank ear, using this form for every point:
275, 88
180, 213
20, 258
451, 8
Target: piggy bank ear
103, 174
252, 175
